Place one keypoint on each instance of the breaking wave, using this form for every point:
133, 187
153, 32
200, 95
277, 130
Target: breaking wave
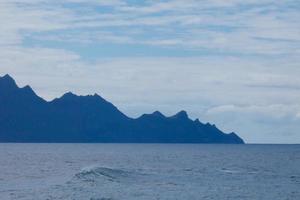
95, 172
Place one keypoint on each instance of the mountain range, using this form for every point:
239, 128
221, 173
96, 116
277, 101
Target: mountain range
26, 117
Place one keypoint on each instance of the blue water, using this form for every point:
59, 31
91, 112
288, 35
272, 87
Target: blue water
149, 171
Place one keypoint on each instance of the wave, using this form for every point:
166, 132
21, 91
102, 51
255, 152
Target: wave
239, 171
95, 173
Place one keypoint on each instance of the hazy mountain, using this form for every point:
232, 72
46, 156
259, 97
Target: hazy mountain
25, 117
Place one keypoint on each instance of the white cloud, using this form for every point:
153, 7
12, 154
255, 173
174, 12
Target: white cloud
276, 111
256, 27
276, 123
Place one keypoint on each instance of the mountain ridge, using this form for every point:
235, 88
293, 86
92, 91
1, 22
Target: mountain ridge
26, 117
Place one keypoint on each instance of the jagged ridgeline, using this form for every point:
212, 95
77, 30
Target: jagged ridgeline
25, 117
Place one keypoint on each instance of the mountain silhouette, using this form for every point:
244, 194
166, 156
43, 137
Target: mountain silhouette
26, 117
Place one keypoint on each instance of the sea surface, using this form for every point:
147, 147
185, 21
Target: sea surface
149, 171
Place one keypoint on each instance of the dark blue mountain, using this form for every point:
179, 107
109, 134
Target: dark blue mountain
25, 117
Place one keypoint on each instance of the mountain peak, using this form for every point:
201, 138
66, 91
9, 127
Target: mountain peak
158, 114
98, 97
7, 76
66, 96
69, 94
8, 82
197, 121
28, 89
182, 115
209, 124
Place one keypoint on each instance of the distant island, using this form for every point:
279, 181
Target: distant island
26, 117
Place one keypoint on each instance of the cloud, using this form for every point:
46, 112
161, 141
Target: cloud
276, 111
276, 123
235, 27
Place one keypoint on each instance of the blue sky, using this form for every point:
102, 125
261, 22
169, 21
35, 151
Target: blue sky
233, 63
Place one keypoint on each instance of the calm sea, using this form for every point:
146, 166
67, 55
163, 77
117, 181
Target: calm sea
149, 171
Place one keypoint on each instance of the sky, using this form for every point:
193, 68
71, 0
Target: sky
234, 63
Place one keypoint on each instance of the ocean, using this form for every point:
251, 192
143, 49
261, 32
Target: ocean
149, 171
